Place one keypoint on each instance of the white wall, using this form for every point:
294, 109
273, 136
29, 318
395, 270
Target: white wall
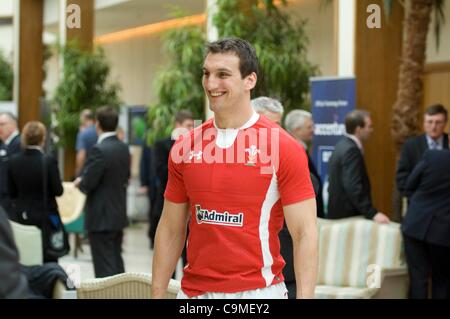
134, 64
6, 8
321, 31
7, 41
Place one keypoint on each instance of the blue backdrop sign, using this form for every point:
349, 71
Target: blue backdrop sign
332, 99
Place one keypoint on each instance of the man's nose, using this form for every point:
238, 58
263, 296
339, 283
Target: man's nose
210, 83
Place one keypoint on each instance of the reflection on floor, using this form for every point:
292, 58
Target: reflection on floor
136, 253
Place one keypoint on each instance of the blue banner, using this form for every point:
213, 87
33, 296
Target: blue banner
332, 99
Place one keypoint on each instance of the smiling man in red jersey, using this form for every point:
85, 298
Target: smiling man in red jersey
235, 179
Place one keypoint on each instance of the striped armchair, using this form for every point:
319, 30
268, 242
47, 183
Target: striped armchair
360, 259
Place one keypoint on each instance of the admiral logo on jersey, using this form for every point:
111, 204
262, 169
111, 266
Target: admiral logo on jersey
213, 217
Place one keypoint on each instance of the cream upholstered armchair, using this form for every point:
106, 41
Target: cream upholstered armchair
123, 286
29, 243
359, 258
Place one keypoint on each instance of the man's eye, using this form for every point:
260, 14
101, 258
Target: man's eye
223, 75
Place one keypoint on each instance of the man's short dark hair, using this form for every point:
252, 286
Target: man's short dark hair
248, 61
354, 119
437, 109
183, 115
107, 118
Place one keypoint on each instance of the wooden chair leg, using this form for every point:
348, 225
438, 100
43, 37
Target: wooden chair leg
77, 245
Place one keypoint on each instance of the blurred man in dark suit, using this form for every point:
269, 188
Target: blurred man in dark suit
184, 122
104, 180
435, 120
9, 145
301, 126
426, 226
349, 188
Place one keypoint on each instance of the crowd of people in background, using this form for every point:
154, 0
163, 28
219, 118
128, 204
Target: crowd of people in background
30, 181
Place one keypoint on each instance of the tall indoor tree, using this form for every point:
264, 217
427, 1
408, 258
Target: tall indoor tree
407, 108
6, 79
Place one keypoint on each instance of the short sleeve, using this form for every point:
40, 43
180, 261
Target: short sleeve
79, 144
175, 189
294, 181
81, 141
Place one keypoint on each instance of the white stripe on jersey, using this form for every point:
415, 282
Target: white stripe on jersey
272, 197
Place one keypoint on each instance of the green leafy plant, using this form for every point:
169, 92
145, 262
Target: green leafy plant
179, 83
6, 79
281, 46
84, 84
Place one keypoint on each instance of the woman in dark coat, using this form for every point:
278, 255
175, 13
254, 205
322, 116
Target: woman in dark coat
26, 180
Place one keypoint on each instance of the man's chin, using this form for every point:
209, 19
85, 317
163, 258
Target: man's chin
213, 107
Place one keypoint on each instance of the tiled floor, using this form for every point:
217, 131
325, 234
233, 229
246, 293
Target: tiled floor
136, 253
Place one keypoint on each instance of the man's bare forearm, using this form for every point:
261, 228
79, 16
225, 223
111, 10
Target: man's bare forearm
169, 243
306, 263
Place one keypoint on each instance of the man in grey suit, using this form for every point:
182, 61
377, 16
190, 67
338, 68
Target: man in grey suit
104, 180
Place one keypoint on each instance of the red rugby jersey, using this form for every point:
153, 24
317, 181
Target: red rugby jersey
236, 182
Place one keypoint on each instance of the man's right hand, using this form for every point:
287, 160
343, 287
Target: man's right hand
77, 182
381, 218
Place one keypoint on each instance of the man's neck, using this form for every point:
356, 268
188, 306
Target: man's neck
233, 119
103, 135
305, 146
357, 140
10, 137
437, 139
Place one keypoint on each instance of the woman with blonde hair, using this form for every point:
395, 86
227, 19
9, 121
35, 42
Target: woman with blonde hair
34, 180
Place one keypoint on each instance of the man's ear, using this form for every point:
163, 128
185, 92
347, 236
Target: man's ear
250, 81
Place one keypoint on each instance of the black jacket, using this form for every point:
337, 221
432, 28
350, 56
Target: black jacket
349, 185
317, 183
13, 284
104, 181
147, 173
42, 279
161, 151
6, 152
411, 152
26, 180
428, 185
161, 155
